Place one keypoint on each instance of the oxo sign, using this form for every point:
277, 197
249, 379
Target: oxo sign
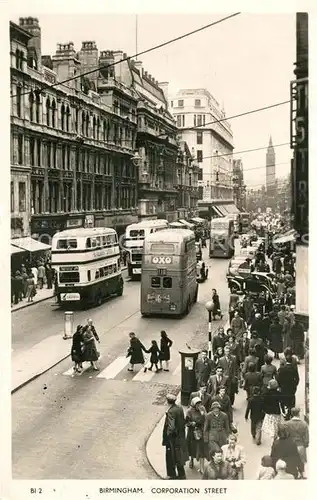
161, 260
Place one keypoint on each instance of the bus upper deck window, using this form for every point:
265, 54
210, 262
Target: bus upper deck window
88, 243
156, 282
167, 282
97, 274
66, 244
88, 275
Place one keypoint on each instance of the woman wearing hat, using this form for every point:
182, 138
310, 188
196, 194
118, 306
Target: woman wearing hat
195, 419
216, 428
272, 409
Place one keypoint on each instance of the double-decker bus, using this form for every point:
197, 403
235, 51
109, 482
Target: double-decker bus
244, 220
87, 263
221, 237
168, 281
133, 243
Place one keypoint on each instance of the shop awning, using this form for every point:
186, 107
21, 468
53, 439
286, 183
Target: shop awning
231, 208
220, 209
198, 220
15, 250
29, 245
285, 238
217, 211
188, 224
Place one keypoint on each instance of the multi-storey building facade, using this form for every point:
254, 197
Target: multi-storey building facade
187, 183
195, 112
239, 188
71, 146
270, 175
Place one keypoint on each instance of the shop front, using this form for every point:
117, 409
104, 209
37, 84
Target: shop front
27, 251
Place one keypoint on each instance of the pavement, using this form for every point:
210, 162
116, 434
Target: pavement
95, 425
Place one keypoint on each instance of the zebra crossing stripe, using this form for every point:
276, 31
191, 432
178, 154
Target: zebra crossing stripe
114, 368
142, 376
70, 372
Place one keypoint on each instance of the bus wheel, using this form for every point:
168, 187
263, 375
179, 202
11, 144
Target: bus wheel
120, 290
187, 310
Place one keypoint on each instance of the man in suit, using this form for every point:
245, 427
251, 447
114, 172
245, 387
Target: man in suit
288, 379
216, 381
174, 439
230, 369
299, 432
203, 395
219, 340
203, 368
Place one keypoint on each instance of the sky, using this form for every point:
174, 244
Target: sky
246, 62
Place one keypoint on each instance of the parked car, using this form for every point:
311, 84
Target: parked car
253, 283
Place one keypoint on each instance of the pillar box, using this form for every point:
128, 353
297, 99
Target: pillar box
188, 377
68, 325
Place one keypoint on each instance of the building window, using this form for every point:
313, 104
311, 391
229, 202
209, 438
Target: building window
87, 124
12, 197
76, 119
204, 120
48, 152
19, 56
19, 101
197, 103
53, 113
179, 120
180, 103
63, 117
199, 137
199, 155
37, 108
48, 108
199, 120
54, 155
32, 151
94, 128
200, 174
83, 121
98, 130
183, 120
67, 119
22, 197
31, 106
63, 156
20, 149
39, 157
171, 104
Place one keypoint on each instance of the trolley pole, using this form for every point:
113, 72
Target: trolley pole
209, 307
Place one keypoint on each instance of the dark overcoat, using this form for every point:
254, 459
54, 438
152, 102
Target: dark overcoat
166, 344
174, 435
135, 351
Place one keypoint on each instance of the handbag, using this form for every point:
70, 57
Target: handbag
198, 434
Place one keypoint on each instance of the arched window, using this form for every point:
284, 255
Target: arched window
48, 110
37, 107
104, 130
83, 123
67, 119
63, 117
53, 113
87, 124
94, 127
31, 106
98, 129
115, 134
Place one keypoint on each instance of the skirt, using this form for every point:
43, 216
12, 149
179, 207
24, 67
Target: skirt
270, 425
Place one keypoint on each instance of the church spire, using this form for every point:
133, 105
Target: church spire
270, 142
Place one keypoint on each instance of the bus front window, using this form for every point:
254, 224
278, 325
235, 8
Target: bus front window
167, 282
156, 282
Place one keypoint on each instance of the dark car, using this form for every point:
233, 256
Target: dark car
254, 284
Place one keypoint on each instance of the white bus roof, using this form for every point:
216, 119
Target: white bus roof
147, 223
170, 236
84, 231
220, 219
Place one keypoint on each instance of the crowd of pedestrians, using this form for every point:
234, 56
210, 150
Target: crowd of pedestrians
241, 360
30, 278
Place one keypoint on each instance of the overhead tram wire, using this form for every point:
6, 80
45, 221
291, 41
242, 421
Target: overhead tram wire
259, 167
151, 49
245, 151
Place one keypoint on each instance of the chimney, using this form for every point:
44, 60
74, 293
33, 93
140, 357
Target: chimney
88, 58
139, 66
66, 64
31, 24
164, 86
106, 58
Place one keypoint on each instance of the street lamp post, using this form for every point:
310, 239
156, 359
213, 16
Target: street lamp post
209, 307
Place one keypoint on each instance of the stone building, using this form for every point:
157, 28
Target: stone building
71, 143
270, 176
239, 187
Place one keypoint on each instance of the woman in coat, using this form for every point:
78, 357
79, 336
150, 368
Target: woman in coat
76, 350
268, 371
90, 352
216, 428
276, 337
272, 409
165, 355
195, 419
225, 404
234, 456
285, 449
135, 351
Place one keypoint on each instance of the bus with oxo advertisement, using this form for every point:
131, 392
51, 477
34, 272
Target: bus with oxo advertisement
168, 280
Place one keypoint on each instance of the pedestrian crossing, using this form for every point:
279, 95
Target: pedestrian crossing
118, 370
